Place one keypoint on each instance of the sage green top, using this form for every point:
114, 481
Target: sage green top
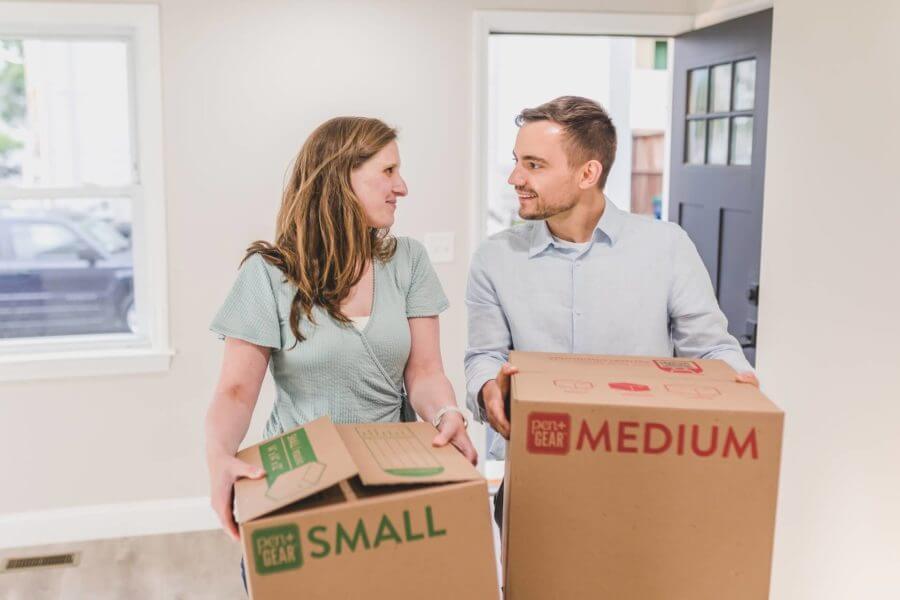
353, 375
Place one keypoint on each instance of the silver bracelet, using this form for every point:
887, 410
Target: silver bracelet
436, 421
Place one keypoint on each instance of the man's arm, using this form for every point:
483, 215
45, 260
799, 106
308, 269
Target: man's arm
489, 336
699, 329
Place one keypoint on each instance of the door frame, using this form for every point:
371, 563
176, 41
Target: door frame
487, 22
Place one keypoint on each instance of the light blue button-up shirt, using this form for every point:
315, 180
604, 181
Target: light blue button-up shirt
639, 288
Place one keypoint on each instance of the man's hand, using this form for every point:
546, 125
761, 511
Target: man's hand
495, 395
747, 377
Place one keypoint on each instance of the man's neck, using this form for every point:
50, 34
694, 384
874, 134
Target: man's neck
578, 223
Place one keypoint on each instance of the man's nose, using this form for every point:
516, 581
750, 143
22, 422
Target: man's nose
516, 178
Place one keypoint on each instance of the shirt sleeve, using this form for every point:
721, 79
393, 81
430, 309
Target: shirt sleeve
489, 337
699, 328
425, 297
250, 311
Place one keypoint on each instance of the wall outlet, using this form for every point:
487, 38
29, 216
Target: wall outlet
439, 246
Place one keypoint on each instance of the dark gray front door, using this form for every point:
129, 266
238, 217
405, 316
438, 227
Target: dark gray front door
719, 113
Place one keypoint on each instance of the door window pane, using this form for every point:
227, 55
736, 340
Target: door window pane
698, 91
721, 88
741, 140
718, 142
696, 142
744, 84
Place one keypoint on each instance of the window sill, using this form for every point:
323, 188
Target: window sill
64, 364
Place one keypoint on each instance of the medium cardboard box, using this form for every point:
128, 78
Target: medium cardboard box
638, 478
364, 511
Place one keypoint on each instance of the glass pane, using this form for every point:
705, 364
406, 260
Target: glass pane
721, 88
696, 142
718, 142
744, 84
661, 55
741, 140
66, 267
698, 88
64, 113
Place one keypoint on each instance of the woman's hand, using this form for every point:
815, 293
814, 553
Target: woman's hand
224, 470
452, 430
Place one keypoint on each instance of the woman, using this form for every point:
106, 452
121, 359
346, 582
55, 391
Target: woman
344, 315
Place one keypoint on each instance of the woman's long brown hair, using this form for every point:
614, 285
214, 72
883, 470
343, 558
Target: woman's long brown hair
323, 241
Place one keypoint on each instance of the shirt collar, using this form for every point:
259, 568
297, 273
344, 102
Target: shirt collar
608, 227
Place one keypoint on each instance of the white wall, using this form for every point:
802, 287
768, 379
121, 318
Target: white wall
243, 84
829, 339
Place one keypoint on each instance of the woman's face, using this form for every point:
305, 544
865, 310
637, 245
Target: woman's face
377, 184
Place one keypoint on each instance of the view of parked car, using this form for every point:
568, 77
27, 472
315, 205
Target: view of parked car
63, 274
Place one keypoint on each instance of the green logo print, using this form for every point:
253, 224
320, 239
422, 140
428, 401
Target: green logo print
277, 549
291, 453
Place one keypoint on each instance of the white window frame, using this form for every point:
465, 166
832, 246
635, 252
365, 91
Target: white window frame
107, 354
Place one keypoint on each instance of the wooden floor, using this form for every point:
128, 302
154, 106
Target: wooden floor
184, 566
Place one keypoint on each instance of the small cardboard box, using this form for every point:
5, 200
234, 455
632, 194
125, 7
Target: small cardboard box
638, 478
364, 511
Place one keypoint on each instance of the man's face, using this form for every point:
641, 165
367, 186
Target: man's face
544, 181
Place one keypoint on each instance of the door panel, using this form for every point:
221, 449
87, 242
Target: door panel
719, 114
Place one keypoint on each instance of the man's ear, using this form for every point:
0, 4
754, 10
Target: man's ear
590, 174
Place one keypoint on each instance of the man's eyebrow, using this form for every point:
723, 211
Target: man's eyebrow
533, 158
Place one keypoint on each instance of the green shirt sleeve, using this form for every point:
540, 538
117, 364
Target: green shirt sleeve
425, 296
250, 311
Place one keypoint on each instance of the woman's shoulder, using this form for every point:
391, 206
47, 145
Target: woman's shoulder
408, 251
257, 265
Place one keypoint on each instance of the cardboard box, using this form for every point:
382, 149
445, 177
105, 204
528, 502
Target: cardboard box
638, 478
364, 511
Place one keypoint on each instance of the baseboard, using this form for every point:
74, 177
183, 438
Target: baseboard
104, 521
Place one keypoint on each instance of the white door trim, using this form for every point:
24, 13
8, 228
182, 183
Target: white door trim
727, 13
571, 23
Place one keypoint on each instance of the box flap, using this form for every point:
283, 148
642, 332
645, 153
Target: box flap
688, 369
298, 464
633, 381
398, 453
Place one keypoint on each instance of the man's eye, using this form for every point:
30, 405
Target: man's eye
533, 165
389, 170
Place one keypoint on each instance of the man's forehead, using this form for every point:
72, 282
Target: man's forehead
540, 138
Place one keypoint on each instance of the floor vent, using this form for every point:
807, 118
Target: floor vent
37, 562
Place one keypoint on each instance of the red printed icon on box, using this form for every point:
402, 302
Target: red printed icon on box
626, 386
686, 367
573, 386
549, 433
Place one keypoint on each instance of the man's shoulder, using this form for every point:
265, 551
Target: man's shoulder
515, 240
646, 229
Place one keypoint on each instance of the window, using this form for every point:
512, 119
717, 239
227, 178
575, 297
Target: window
720, 114
82, 245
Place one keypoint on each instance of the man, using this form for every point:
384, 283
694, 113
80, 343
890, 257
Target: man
581, 275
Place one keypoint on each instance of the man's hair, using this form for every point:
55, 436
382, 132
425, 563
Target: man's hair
589, 132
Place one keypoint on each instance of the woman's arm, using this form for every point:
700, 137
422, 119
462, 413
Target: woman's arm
428, 387
243, 369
